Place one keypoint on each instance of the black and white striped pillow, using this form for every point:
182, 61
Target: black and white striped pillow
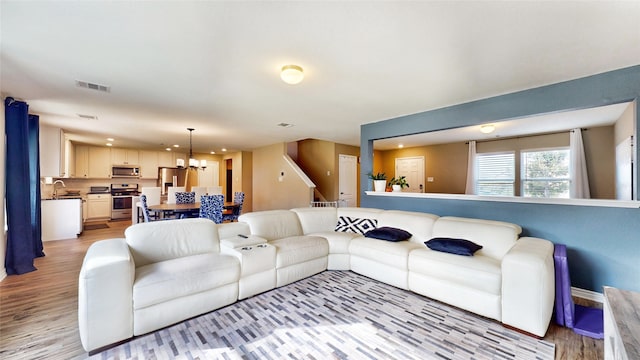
355, 225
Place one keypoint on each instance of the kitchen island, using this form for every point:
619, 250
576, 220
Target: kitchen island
61, 219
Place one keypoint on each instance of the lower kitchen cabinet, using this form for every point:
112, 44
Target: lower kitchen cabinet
61, 219
98, 206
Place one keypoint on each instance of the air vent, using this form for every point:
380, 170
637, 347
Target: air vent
92, 86
285, 125
88, 117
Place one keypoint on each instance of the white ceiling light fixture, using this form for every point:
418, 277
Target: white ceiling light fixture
292, 74
487, 129
193, 163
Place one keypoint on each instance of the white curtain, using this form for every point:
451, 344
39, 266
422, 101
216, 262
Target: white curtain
578, 167
471, 169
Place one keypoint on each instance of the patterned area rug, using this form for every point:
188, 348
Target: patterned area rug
335, 315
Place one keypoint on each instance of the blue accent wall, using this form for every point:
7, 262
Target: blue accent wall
603, 243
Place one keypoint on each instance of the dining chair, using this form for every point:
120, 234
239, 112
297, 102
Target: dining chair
211, 207
199, 190
183, 197
153, 197
238, 198
171, 193
214, 190
145, 208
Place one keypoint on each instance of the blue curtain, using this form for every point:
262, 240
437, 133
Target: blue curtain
24, 235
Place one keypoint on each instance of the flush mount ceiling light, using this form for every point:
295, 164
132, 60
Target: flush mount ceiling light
487, 129
292, 74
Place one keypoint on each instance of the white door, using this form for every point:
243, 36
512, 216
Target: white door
347, 179
413, 169
210, 175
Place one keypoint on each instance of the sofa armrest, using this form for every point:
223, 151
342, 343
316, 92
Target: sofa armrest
232, 230
528, 285
105, 294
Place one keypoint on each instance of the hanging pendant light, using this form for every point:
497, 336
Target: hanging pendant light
193, 163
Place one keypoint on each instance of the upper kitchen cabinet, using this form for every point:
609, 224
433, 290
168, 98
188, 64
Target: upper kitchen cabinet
52, 152
124, 157
149, 164
165, 159
93, 162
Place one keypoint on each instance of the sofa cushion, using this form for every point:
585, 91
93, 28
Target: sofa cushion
479, 272
165, 240
390, 253
166, 280
496, 237
420, 225
453, 246
388, 233
355, 225
317, 219
272, 224
299, 249
338, 241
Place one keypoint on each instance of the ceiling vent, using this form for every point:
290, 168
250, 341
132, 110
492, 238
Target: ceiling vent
88, 117
92, 86
285, 125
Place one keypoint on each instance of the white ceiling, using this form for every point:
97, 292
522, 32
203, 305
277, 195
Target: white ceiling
214, 66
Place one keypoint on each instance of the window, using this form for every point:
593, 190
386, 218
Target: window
495, 174
545, 173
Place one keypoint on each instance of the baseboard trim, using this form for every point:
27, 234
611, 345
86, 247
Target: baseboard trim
587, 294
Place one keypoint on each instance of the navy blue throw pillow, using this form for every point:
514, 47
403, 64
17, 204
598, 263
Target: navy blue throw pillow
453, 246
388, 234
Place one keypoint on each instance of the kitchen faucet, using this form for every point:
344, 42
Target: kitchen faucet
55, 190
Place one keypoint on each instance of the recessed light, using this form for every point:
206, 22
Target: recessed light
224, 149
110, 139
213, 152
400, 146
168, 149
109, 144
176, 146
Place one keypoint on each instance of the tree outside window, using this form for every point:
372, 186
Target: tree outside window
545, 173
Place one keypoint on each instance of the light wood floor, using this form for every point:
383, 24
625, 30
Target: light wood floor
38, 310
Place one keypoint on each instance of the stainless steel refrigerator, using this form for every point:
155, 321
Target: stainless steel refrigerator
171, 177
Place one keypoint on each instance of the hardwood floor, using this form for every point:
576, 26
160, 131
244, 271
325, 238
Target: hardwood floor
38, 310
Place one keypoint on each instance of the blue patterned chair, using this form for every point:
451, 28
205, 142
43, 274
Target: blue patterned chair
145, 208
238, 198
211, 207
184, 197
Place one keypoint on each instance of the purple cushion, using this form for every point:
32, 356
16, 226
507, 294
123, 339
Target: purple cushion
388, 233
453, 246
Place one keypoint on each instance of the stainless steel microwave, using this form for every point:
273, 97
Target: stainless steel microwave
125, 171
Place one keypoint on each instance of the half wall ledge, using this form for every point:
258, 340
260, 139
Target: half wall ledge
630, 204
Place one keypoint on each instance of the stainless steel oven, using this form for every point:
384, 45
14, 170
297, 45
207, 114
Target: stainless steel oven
122, 199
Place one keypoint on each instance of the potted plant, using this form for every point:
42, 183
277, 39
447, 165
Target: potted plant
399, 183
379, 181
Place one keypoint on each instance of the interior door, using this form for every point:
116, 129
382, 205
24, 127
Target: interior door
413, 169
347, 180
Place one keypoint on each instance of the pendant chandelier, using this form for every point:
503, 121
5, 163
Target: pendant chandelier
193, 163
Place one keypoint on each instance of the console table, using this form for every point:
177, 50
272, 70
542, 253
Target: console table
621, 324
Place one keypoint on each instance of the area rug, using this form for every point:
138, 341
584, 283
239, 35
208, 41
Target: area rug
95, 226
335, 315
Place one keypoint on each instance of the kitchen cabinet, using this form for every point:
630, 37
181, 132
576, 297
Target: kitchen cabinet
148, 164
82, 161
51, 151
93, 162
61, 219
165, 159
124, 157
98, 206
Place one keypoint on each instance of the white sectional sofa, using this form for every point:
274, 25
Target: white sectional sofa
166, 272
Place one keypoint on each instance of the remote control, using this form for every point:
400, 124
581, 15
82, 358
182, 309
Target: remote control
243, 236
